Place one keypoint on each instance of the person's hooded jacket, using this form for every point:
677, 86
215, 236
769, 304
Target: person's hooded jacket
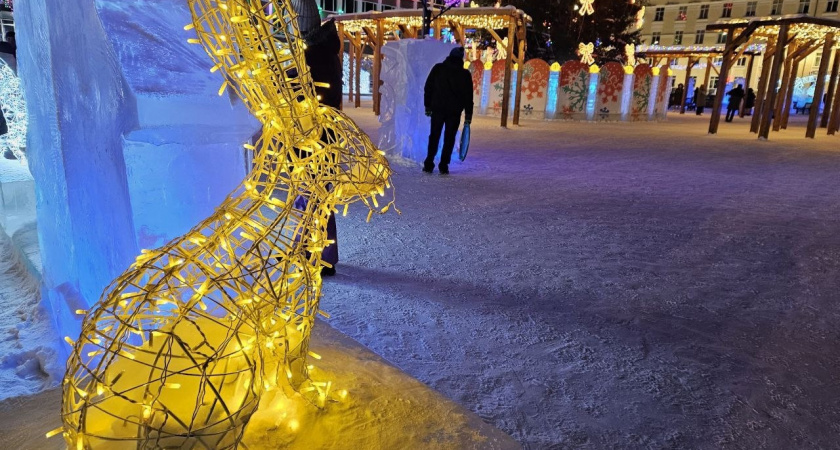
449, 89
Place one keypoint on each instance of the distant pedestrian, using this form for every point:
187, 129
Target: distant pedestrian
677, 95
749, 102
700, 99
448, 93
735, 97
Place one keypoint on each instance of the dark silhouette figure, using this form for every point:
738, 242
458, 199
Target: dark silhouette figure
700, 99
749, 102
735, 97
677, 95
322, 49
448, 93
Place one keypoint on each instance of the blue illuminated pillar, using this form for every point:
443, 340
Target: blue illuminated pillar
654, 88
553, 86
627, 93
593, 92
485, 88
514, 75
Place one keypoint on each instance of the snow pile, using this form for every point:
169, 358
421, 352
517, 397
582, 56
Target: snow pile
28, 357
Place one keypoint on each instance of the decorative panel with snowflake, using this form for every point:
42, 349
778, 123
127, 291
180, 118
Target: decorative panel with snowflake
497, 87
663, 93
534, 86
477, 72
608, 95
642, 81
574, 89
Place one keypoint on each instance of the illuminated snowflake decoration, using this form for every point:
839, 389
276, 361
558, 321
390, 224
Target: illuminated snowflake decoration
586, 7
586, 51
630, 52
14, 110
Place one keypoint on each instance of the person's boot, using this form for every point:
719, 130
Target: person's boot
444, 170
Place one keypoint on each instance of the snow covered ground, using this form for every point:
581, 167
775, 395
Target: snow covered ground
592, 286
620, 285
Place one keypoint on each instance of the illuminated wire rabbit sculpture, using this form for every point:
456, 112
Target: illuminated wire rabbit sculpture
180, 348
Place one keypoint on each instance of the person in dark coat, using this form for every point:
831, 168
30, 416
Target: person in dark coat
676, 95
735, 97
448, 93
749, 102
700, 99
322, 48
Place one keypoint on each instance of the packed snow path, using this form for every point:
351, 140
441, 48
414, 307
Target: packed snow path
613, 285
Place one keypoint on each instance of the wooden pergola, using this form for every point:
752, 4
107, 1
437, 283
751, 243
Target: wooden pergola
789, 39
373, 29
695, 54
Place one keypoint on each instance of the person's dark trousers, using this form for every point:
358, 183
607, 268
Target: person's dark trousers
730, 114
699, 110
448, 124
330, 253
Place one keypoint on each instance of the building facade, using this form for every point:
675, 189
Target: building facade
683, 23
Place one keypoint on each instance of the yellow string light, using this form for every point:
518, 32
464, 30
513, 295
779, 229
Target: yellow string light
180, 347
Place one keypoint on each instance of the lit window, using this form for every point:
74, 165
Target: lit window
804, 6
721, 39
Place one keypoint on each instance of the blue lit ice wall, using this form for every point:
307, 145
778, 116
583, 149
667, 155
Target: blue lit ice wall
129, 143
79, 107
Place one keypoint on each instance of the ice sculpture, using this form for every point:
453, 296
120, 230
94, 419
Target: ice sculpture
405, 129
128, 143
14, 110
182, 345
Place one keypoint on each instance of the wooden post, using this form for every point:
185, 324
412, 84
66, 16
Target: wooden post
832, 89
377, 66
508, 64
341, 62
688, 67
788, 85
834, 121
819, 87
360, 51
747, 84
783, 90
778, 59
714, 122
707, 77
762, 87
520, 61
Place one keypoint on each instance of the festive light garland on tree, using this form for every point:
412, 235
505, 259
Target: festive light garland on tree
586, 51
14, 111
181, 347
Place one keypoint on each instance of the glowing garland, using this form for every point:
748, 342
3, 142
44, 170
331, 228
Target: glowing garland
182, 346
630, 54
586, 7
14, 110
